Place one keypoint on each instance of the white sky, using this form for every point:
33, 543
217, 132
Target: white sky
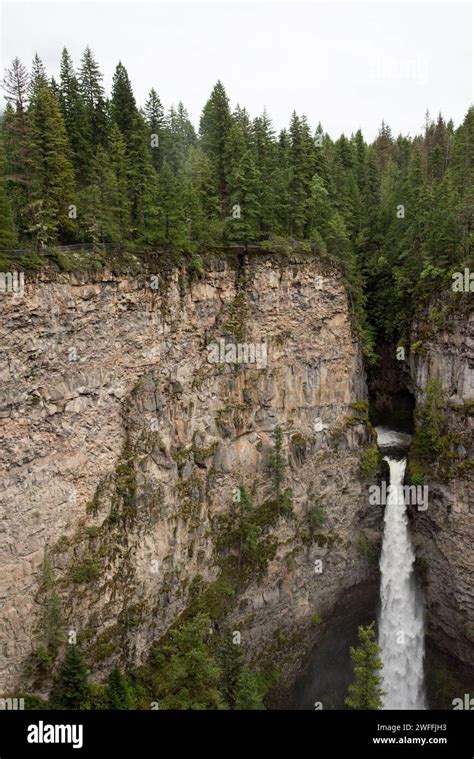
348, 65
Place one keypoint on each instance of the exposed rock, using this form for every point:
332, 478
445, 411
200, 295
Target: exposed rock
445, 532
122, 445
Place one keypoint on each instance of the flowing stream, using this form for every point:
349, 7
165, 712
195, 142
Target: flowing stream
401, 622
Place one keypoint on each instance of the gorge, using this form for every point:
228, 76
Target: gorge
124, 448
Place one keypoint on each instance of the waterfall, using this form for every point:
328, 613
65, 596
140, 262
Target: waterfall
401, 624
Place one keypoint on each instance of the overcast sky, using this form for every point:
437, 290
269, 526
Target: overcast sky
346, 65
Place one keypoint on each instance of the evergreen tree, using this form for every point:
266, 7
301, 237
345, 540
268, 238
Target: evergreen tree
53, 174
232, 665
155, 120
173, 228
277, 461
206, 221
366, 692
249, 695
117, 154
215, 125
264, 152
301, 174
100, 203
75, 118
15, 84
242, 182
248, 531
118, 692
191, 676
71, 690
38, 78
239, 686
123, 105
90, 82
8, 238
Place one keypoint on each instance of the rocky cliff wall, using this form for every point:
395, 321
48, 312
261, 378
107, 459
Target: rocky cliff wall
443, 347
123, 442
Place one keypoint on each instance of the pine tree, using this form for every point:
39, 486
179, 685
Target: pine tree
277, 461
173, 229
119, 694
215, 125
90, 82
242, 182
191, 676
75, 118
15, 84
302, 171
154, 115
53, 174
249, 695
366, 692
206, 222
264, 152
232, 664
99, 203
248, 530
8, 238
71, 690
143, 185
38, 77
117, 154
123, 105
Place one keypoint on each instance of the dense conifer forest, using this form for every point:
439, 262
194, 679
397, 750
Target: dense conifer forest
78, 166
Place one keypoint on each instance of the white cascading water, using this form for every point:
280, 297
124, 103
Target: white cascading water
401, 623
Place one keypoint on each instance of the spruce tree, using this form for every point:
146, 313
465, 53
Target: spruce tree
154, 115
75, 118
71, 690
8, 237
232, 664
191, 676
249, 695
302, 153
215, 125
173, 228
38, 77
123, 105
277, 461
15, 85
90, 82
118, 692
366, 691
53, 174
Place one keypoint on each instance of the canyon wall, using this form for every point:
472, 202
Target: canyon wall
443, 348
123, 443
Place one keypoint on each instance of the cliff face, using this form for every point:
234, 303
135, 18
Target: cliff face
445, 532
124, 441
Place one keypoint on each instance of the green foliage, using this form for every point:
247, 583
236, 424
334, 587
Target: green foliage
369, 461
368, 548
366, 692
119, 694
316, 517
240, 688
71, 690
146, 179
277, 461
87, 570
190, 675
52, 633
430, 424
